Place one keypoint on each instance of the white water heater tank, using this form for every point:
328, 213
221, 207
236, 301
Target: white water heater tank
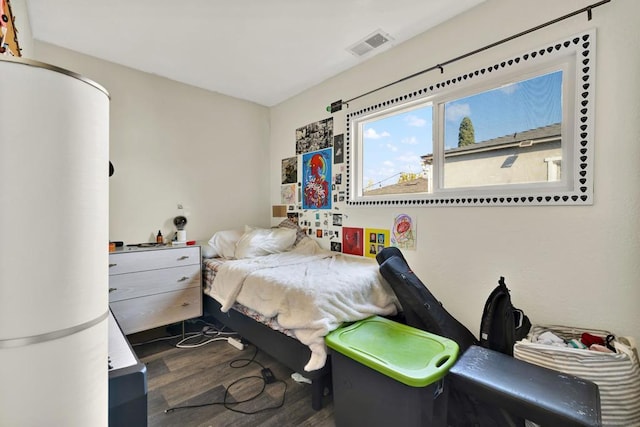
54, 156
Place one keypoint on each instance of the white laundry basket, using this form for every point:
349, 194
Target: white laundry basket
616, 374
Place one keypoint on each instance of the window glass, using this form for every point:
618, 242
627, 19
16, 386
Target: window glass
392, 150
503, 135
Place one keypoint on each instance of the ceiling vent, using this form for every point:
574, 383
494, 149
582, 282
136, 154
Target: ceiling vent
373, 41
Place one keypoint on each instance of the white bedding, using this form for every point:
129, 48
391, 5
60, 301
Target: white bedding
310, 291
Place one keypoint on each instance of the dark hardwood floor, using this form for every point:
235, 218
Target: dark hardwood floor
201, 375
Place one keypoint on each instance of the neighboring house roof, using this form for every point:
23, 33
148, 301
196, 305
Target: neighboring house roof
528, 137
418, 185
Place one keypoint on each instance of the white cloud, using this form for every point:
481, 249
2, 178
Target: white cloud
412, 140
392, 147
373, 134
456, 112
415, 121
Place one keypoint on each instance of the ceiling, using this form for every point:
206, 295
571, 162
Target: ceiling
264, 51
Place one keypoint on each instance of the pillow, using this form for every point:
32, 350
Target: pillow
264, 241
207, 251
224, 242
300, 233
307, 246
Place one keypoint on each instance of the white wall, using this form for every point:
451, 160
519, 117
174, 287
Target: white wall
569, 265
172, 143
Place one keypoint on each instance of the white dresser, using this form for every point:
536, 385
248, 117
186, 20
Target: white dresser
151, 287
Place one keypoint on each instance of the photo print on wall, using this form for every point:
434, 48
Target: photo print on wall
376, 240
338, 149
352, 241
290, 170
316, 177
314, 136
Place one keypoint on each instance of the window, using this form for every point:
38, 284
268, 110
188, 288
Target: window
392, 149
517, 132
501, 136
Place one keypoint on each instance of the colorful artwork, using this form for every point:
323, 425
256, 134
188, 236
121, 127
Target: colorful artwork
8, 34
293, 217
315, 136
352, 241
289, 170
288, 194
377, 239
316, 177
404, 232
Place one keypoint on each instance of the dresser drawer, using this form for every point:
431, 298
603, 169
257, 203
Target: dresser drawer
143, 283
127, 262
139, 314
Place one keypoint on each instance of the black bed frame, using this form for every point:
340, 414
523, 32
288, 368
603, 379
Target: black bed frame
287, 350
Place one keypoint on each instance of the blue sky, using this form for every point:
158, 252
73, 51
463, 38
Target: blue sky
395, 144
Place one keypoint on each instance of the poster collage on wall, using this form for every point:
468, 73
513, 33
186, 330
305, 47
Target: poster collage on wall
313, 190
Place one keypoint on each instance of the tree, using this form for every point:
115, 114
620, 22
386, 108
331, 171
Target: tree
465, 133
407, 176
369, 185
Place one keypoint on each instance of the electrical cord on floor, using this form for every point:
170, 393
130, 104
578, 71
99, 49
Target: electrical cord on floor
181, 343
161, 339
266, 379
215, 327
208, 332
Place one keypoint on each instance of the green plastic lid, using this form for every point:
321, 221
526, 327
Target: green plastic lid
411, 356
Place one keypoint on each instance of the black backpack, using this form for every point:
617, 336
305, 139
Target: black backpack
502, 324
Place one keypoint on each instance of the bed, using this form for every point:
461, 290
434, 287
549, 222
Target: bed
278, 289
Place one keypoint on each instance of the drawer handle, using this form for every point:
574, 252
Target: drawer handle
112, 265
112, 289
183, 278
185, 304
183, 257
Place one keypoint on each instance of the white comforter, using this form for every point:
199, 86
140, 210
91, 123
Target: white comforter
309, 293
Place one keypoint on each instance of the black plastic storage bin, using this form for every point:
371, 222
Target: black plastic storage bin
389, 374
